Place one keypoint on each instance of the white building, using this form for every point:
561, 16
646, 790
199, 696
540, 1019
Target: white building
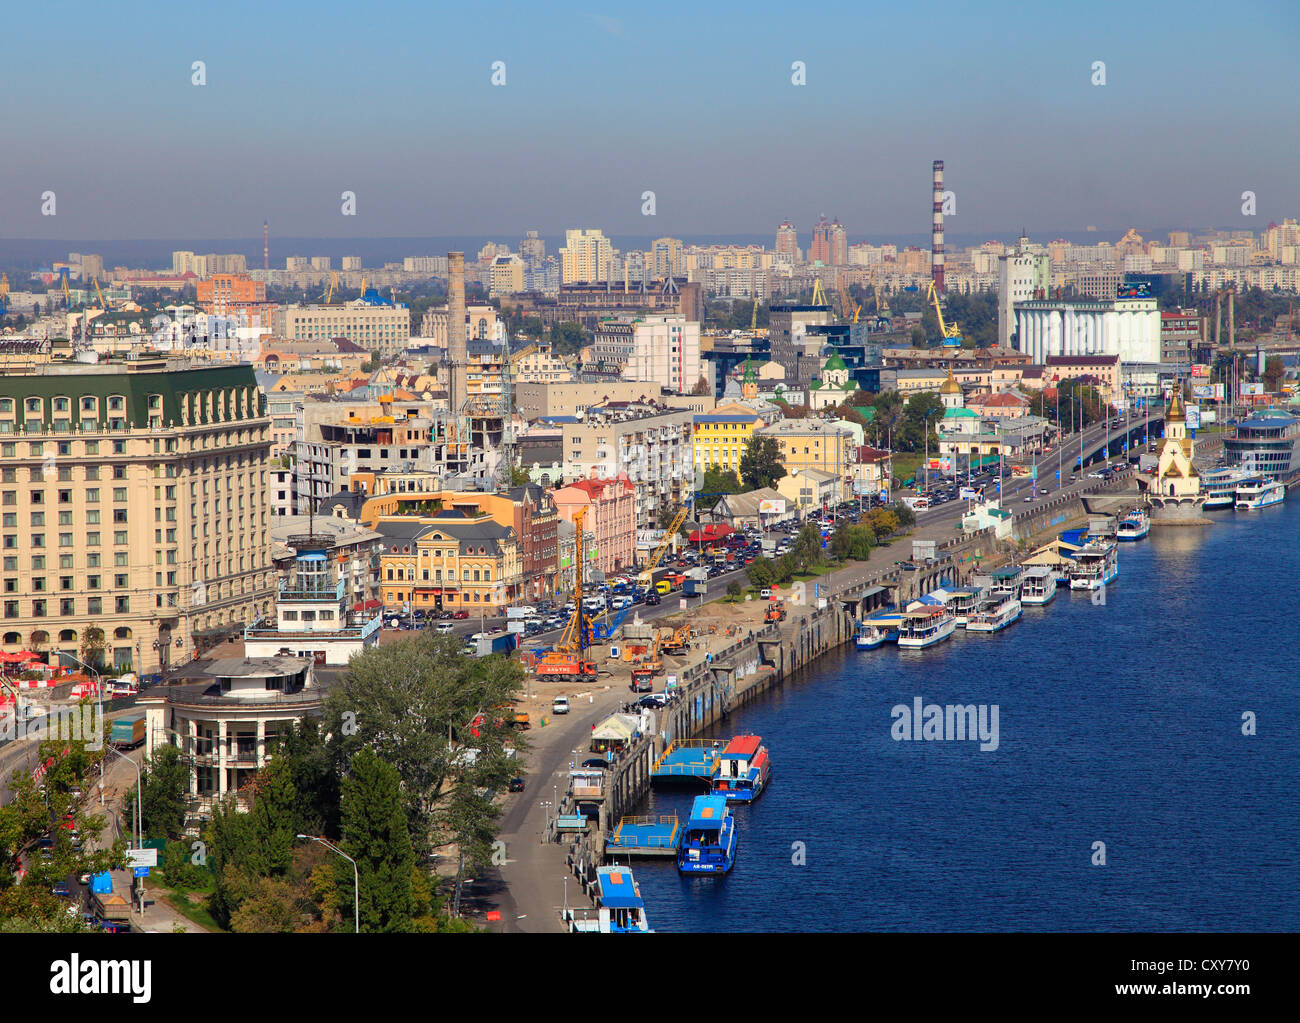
1127, 327
1023, 274
665, 349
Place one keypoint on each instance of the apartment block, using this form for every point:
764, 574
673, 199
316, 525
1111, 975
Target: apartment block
378, 328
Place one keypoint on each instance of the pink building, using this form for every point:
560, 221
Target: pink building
609, 529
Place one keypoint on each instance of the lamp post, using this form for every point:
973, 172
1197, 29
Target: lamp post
926, 467
356, 879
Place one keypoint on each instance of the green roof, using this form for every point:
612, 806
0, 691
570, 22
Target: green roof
867, 412
960, 413
835, 362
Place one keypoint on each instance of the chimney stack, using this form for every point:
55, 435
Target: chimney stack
936, 235
457, 354
266, 245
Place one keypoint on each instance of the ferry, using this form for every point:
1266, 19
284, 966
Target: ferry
925, 626
1260, 493
1134, 526
1007, 580
869, 635
708, 842
1096, 563
1220, 487
964, 600
622, 910
743, 770
1039, 585
999, 611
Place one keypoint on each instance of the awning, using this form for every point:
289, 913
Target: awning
713, 531
368, 605
615, 728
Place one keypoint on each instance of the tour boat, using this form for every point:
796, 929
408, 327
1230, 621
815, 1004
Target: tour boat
1134, 526
963, 600
869, 635
1007, 580
742, 770
622, 910
925, 626
1220, 487
1096, 563
1260, 492
1038, 585
995, 614
708, 842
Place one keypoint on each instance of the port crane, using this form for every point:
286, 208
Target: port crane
4, 293
848, 309
950, 332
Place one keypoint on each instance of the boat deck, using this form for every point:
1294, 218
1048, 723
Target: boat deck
645, 836
688, 758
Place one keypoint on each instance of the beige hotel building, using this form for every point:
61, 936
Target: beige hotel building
133, 500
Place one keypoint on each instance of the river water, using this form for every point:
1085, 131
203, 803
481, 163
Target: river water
1120, 724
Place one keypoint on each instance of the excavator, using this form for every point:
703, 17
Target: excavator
566, 662
675, 642
776, 612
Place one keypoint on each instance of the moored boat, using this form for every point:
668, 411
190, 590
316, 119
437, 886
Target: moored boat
622, 910
995, 614
869, 635
1134, 526
925, 626
1259, 492
708, 842
1038, 586
1220, 487
1096, 563
743, 770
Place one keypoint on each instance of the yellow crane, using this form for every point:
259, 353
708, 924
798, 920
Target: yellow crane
643, 579
951, 333
819, 293
848, 310
328, 295
103, 302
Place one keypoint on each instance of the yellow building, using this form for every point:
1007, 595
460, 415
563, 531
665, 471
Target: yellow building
456, 562
720, 438
813, 444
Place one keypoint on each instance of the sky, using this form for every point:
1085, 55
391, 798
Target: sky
394, 102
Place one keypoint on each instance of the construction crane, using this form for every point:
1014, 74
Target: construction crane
67, 295
951, 333
848, 310
566, 662
883, 316
103, 302
328, 294
819, 293
4, 293
643, 578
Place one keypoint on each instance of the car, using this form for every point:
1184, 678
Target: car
1028, 498
596, 763
515, 785
560, 705
444, 627
61, 890
765, 593
907, 566
460, 616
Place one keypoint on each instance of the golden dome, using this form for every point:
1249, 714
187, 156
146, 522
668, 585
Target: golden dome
950, 386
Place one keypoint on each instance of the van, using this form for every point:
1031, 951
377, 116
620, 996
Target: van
560, 705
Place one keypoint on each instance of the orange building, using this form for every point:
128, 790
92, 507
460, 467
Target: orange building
231, 294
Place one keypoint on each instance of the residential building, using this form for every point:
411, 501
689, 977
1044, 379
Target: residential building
720, 438
1101, 370
585, 257
813, 444
665, 351
811, 490
1023, 273
609, 524
455, 560
378, 328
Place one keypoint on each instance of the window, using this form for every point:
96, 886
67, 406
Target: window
95, 605
11, 607
38, 608
68, 606
122, 605
120, 537
92, 560
65, 518
119, 493
92, 517
92, 538
11, 563
92, 495
119, 515
92, 473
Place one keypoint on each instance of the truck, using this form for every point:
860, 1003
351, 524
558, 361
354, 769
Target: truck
776, 612
108, 905
1147, 462
127, 731
494, 643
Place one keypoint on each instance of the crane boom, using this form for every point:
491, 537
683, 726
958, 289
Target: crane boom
644, 577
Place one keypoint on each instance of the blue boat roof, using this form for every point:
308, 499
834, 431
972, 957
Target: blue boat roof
617, 889
929, 598
707, 812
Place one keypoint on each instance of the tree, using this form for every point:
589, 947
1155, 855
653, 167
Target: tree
733, 590
761, 462
1274, 370
702, 385
375, 834
905, 516
165, 784
853, 542
761, 573
718, 480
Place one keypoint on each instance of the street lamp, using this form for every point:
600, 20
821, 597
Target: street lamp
356, 879
926, 467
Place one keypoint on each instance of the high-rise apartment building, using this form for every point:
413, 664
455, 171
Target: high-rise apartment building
134, 509
585, 257
532, 247
787, 243
666, 258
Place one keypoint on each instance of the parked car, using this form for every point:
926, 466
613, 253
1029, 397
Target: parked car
560, 705
62, 890
445, 627
516, 785
460, 616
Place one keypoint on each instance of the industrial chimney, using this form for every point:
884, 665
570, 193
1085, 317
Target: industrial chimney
266, 245
457, 354
936, 238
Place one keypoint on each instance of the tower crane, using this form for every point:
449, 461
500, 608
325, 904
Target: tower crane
328, 296
950, 332
819, 293
103, 302
848, 310
4, 293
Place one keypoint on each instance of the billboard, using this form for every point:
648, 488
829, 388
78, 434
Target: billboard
1200, 370
772, 507
1203, 392
1193, 417
1252, 388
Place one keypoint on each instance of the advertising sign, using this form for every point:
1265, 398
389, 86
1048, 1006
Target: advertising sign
772, 507
142, 857
971, 493
1204, 392
1252, 388
1193, 417
1199, 370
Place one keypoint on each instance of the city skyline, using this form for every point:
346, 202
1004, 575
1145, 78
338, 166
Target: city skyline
732, 145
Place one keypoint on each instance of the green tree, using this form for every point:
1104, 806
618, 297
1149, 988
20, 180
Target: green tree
1274, 370
853, 542
761, 573
760, 462
375, 834
718, 480
905, 516
165, 782
734, 591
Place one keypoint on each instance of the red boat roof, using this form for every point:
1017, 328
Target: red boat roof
743, 746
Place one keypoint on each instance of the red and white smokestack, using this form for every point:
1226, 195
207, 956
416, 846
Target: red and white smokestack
266, 245
936, 238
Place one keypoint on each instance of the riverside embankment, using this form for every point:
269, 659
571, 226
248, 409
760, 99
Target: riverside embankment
542, 872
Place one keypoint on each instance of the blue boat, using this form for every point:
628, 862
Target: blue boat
743, 770
869, 636
622, 910
708, 844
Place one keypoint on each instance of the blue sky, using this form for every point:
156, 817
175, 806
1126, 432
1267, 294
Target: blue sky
693, 101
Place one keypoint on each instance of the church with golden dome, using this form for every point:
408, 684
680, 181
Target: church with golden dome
1174, 489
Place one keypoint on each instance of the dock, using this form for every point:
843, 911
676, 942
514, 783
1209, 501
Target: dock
645, 836
688, 758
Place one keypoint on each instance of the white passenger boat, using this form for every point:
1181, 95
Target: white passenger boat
1220, 487
925, 626
1038, 586
1134, 526
869, 635
995, 614
1260, 492
1096, 563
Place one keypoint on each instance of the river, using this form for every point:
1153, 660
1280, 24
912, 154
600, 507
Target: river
1119, 724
